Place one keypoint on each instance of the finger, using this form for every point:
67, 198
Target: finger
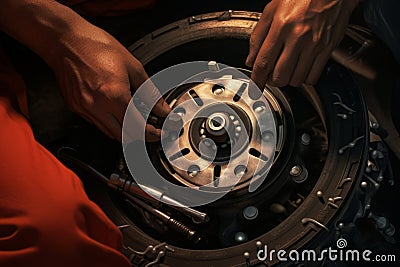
151, 97
133, 124
152, 133
161, 108
136, 72
304, 65
285, 65
266, 58
148, 93
318, 66
258, 35
135, 127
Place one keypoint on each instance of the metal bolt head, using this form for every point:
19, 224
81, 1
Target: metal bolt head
364, 185
296, 170
246, 255
213, 66
258, 244
218, 89
250, 212
193, 170
319, 194
305, 139
375, 125
240, 237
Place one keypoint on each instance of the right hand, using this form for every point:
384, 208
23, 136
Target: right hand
293, 40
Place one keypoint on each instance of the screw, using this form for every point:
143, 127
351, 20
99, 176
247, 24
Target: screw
240, 237
296, 170
364, 184
213, 66
305, 139
375, 125
250, 213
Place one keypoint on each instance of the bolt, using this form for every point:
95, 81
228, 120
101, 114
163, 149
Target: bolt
218, 89
305, 139
246, 255
267, 136
194, 173
375, 125
319, 194
240, 237
296, 170
364, 184
259, 244
390, 230
250, 213
340, 225
193, 170
213, 66
240, 170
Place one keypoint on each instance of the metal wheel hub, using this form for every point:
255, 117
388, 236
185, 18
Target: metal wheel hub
225, 126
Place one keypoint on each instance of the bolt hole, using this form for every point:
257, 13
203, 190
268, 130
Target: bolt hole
218, 89
193, 170
267, 136
180, 111
240, 170
196, 98
240, 92
259, 106
217, 171
179, 154
254, 152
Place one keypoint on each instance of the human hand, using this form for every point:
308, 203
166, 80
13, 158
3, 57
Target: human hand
293, 40
96, 74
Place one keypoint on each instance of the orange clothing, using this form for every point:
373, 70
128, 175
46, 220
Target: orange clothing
46, 219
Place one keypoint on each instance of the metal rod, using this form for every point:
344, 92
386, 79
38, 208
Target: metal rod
130, 189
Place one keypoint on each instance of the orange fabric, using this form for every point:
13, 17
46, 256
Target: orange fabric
107, 7
46, 219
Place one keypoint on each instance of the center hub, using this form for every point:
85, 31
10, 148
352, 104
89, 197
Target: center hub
221, 142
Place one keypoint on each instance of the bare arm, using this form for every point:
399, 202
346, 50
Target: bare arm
94, 71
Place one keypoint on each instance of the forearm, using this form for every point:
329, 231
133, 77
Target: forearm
43, 25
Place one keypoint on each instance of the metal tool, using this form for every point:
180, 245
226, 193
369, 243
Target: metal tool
156, 196
130, 188
137, 192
